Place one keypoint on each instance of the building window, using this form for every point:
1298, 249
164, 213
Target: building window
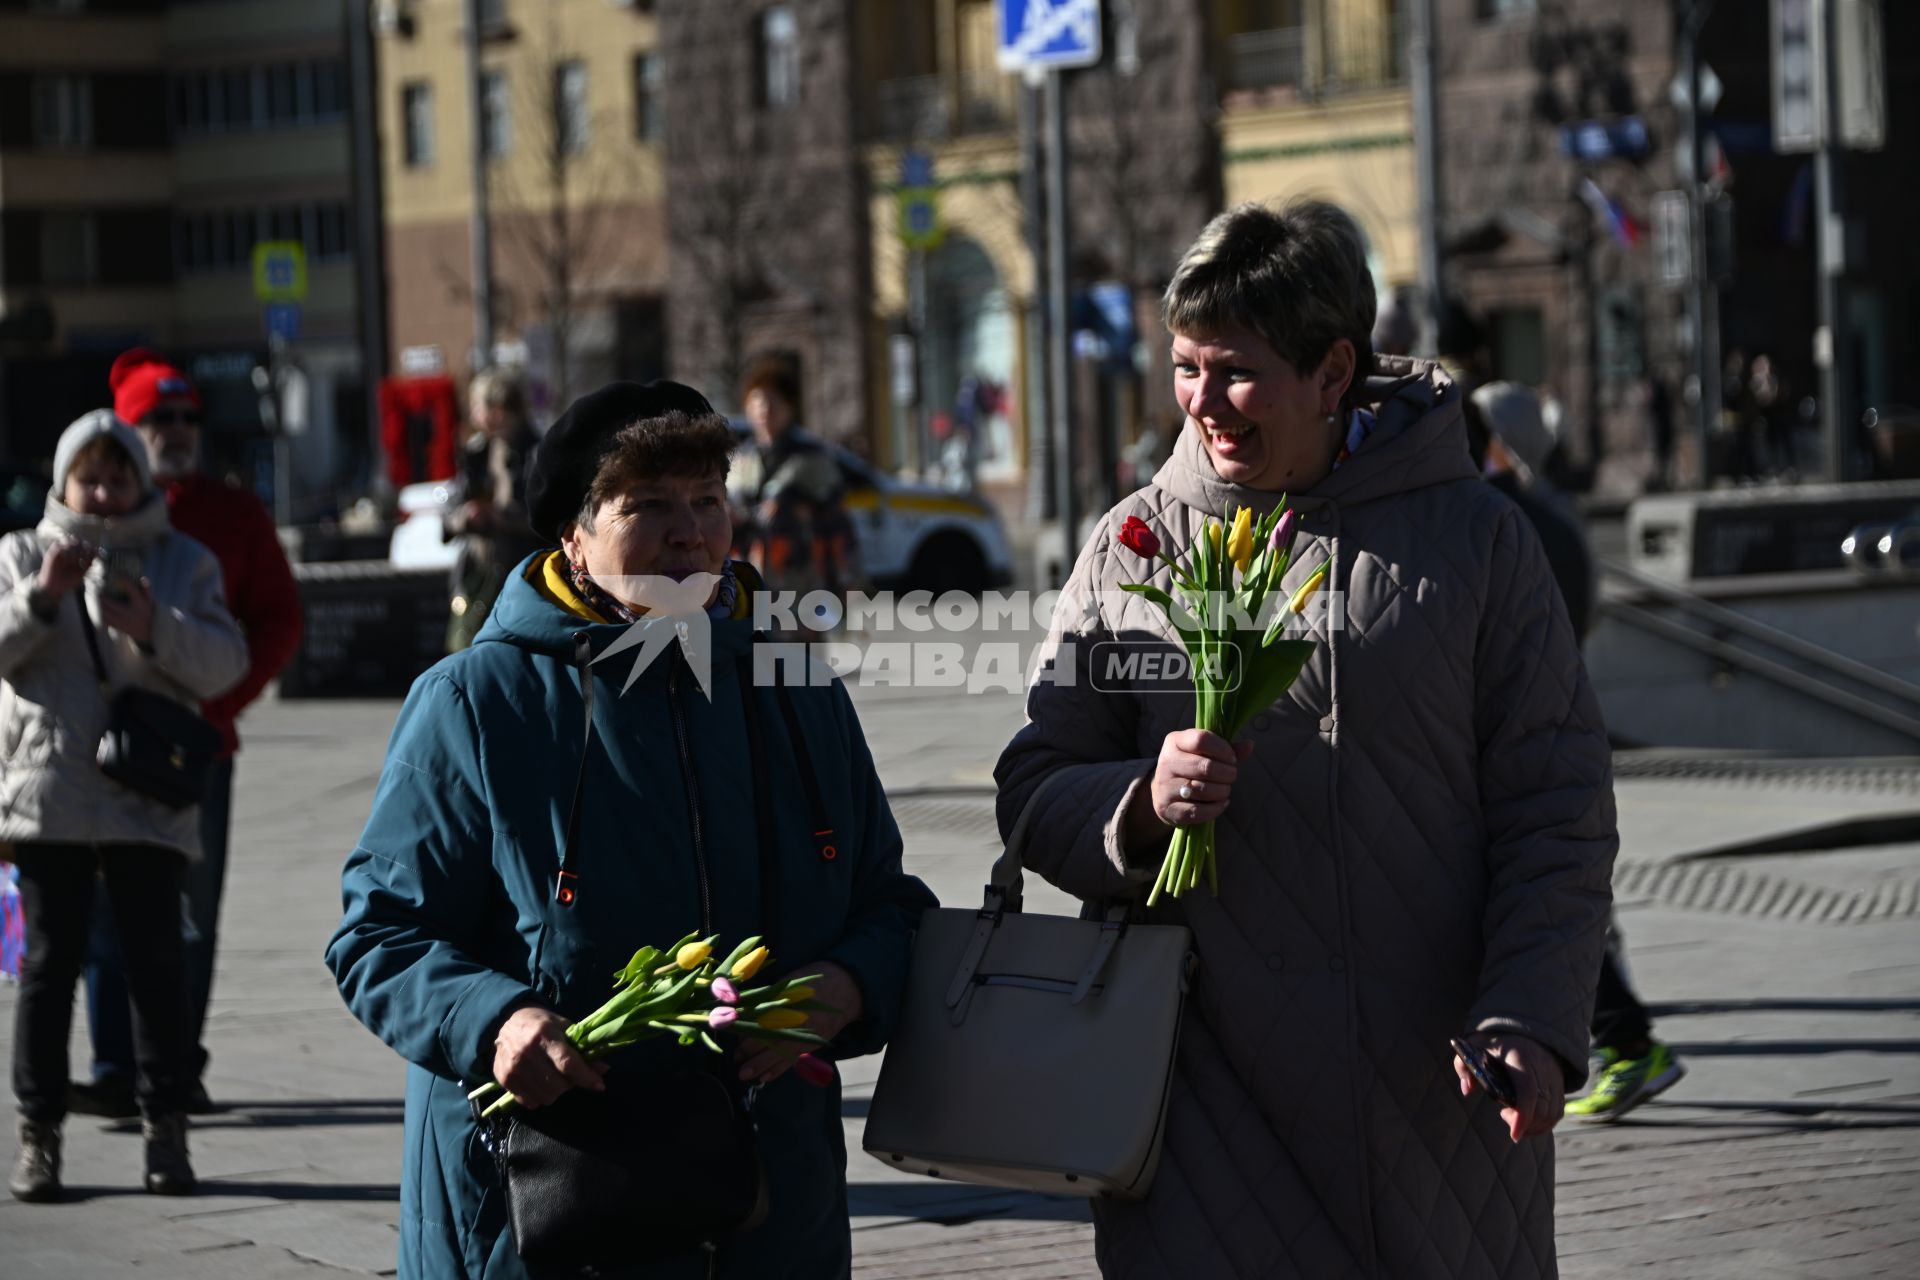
571, 110
1506, 8
647, 121
222, 240
496, 115
237, 111
62, 111
69, 248
416, 116
779, 47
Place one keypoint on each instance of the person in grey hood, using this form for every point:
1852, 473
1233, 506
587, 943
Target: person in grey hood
153, 598
1414, 842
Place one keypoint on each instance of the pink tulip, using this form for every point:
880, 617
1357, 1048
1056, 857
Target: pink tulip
817, 1072
723, 991
1283, 531
721, 1016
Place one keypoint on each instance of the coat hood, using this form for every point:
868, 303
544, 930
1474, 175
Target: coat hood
1419, 440
138, 529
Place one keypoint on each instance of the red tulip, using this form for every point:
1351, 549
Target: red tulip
817, 1072
1137, 538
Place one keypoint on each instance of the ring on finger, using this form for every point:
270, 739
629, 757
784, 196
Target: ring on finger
1187, 790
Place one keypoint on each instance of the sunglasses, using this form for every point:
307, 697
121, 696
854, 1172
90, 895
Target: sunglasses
173, 418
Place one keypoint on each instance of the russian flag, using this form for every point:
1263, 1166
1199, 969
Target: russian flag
1625, 228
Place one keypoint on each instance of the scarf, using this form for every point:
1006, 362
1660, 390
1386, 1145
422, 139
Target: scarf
603, 603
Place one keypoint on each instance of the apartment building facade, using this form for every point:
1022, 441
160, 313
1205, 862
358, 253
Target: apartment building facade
571, 116
146, 148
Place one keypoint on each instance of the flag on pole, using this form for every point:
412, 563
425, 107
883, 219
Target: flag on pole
1625, 228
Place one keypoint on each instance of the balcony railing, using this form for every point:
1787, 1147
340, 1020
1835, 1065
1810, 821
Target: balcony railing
932, 108
1317, 61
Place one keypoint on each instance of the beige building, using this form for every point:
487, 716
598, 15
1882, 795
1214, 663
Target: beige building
145, 149
571, 120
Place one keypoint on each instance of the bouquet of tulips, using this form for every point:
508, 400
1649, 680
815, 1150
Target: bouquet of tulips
1238, 670
683, 992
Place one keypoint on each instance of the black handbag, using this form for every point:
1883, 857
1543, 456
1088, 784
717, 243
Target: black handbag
666, 1160
156, 746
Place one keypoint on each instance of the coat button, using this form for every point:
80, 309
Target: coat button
1326, 724
1336, 964
1276, 962
1260, 723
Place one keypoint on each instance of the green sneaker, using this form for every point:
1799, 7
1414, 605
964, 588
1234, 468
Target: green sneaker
1624, 1083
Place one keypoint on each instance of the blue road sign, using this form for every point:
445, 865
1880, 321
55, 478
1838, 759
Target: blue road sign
283, 321
1049, 33
916, 168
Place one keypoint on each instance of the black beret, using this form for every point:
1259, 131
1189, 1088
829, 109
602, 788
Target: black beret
570, 454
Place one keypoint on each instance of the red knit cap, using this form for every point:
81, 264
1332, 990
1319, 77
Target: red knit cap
141, 379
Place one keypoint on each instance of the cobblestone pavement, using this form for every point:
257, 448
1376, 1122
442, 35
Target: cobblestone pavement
1790, 1150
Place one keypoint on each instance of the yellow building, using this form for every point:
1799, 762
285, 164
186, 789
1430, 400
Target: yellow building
1315, 104
571, 119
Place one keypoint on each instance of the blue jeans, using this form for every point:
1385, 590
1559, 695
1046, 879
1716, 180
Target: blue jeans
109, 1017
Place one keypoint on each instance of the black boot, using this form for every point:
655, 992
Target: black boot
36, 1175
168, 1172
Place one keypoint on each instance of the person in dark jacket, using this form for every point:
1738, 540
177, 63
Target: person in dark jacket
1510, 436
164, 408
454, 948
490, 502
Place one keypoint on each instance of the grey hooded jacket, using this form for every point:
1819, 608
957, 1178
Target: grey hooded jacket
1420, 845
52, 708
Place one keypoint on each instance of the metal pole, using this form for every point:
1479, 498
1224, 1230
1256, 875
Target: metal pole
1703, 300
917, 323
1426, 135
1040, 478
369, 250
479, 231
1059, 330
1829, 338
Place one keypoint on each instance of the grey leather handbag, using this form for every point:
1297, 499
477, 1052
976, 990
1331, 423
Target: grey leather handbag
1034, 1051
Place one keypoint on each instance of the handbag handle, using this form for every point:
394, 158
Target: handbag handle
1006, 879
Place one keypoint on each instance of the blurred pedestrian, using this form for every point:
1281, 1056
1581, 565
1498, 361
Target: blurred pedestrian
1634, 1065
103, 584
1397, 327
799, 535
489, 507
1420, 831
165, 410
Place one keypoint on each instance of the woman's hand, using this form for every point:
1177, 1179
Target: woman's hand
1204, 765
764, 1061
535, 1062
64, 569
133, 616
1539, 1085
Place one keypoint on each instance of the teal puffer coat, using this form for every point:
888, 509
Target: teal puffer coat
450, 920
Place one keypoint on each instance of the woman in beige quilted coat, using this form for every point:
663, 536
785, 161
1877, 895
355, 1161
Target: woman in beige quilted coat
1415, 843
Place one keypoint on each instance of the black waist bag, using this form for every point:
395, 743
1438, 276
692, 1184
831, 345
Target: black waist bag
154, 745
633, 1175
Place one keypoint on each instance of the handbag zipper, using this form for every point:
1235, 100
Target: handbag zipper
693, 793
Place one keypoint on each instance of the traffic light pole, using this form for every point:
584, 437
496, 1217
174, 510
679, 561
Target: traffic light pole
1059, 324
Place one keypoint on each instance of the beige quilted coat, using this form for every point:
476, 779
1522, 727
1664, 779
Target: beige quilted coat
1421, 844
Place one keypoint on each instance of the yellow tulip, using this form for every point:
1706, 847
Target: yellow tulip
749, 964
781, 1019
1213, 534
797, 995
1307, 590
1240, 540
693, 955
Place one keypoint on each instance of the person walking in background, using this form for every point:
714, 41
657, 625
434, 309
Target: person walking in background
489, 508
1509, 437
1418, 835
102, 583
164, 409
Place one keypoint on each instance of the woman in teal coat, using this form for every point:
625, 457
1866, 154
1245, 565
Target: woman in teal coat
456, 948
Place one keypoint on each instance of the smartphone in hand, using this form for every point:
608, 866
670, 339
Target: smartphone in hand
1487, 1071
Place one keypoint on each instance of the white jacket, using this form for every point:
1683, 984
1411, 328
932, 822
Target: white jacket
52, 708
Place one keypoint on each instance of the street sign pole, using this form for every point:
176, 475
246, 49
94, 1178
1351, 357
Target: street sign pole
1040, 488
1059, 327
480, 227
1829, 342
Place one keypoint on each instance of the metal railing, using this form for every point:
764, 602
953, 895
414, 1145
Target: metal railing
1830, 666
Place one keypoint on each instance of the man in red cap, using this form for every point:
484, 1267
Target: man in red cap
162, 405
